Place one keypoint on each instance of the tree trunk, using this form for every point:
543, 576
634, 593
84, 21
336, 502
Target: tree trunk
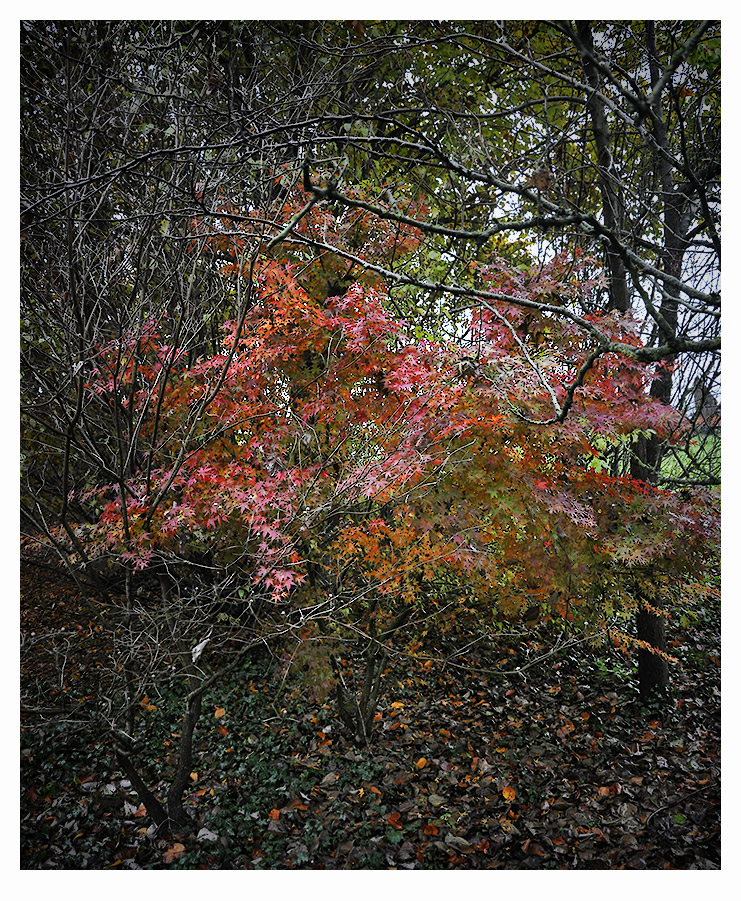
172, 811
192, 712
175, 809
653, 672
357, 707
155, 809
612, 202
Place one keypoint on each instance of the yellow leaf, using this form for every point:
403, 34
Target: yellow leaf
509, 793
397, 704
194, 776
421, 762
219, 712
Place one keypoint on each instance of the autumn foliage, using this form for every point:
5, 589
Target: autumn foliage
332, 463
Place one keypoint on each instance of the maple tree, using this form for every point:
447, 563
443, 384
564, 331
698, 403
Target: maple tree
338, 466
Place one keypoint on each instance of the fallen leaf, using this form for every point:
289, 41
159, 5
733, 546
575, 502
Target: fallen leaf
194, 776
567, 727
509, 793
223, 730
219, 712
394, 820
397, 704
457, 841
421, 762
430, 829
173, 852
274, 813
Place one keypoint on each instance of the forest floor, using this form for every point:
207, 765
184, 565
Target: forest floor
558, 766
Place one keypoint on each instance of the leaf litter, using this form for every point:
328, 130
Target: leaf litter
557, 767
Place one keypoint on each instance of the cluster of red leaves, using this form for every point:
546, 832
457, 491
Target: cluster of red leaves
322, 416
